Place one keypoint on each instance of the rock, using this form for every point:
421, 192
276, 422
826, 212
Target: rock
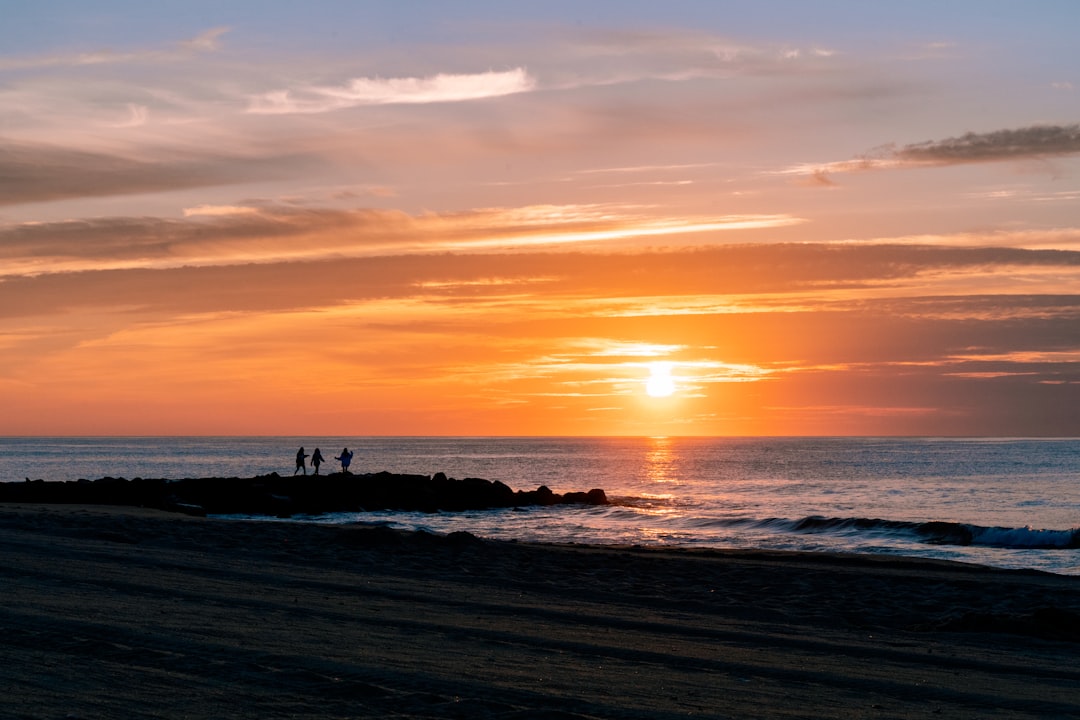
278, 496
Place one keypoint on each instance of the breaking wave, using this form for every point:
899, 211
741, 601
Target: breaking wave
932, 533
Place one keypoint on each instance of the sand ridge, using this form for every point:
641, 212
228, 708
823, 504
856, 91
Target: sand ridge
123, 612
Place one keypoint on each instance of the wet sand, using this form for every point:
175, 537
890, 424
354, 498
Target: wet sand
127, 613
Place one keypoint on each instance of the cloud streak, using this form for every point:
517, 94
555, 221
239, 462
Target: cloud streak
34, 172
613, 57
240, 234
736, 280
1036, 141
586, 60
207, 41
1032, 142
440, 88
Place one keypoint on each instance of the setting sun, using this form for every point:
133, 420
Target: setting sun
660, 382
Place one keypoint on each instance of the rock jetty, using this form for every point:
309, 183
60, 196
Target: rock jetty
279, 496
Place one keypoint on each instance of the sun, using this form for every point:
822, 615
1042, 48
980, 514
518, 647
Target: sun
660, 382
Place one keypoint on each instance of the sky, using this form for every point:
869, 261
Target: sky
249, 217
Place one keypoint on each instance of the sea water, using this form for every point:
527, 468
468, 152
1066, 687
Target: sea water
1011, 503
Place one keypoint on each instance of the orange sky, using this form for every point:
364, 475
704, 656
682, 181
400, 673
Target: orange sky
242, 221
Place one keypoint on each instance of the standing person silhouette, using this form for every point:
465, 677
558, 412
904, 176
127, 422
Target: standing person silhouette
300, 456
345, 457
316, 460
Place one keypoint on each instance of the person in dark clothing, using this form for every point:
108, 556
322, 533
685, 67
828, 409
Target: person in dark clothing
345, 457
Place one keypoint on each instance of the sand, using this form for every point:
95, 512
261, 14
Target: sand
128, 613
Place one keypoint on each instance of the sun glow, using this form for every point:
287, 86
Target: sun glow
660, 382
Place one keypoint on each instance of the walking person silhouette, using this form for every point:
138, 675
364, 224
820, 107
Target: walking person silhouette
300, 465
345, 457
316, 460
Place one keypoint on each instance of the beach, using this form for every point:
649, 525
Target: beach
115, 612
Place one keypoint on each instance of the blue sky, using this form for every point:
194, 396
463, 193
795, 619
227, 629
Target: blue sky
1045, 27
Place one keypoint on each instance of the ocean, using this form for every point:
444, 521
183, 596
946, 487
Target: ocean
1011, 503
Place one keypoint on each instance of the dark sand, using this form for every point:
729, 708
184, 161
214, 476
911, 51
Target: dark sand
124, 613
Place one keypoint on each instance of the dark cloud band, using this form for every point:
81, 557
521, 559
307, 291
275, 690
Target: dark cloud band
1033, 141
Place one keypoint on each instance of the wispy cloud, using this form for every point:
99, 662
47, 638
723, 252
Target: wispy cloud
34, 172
242, 260
577, 60
624, 56
1032, 142
393, 91
219, 210
207, 41
137, 117
230, 234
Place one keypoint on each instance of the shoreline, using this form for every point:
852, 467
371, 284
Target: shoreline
128, 612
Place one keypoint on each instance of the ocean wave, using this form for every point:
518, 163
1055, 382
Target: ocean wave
936, 532
933, 532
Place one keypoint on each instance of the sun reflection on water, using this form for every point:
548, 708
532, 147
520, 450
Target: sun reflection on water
659, 461
659, 469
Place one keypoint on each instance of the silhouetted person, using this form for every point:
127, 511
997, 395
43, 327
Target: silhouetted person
316, 460
345, 457
300, 456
